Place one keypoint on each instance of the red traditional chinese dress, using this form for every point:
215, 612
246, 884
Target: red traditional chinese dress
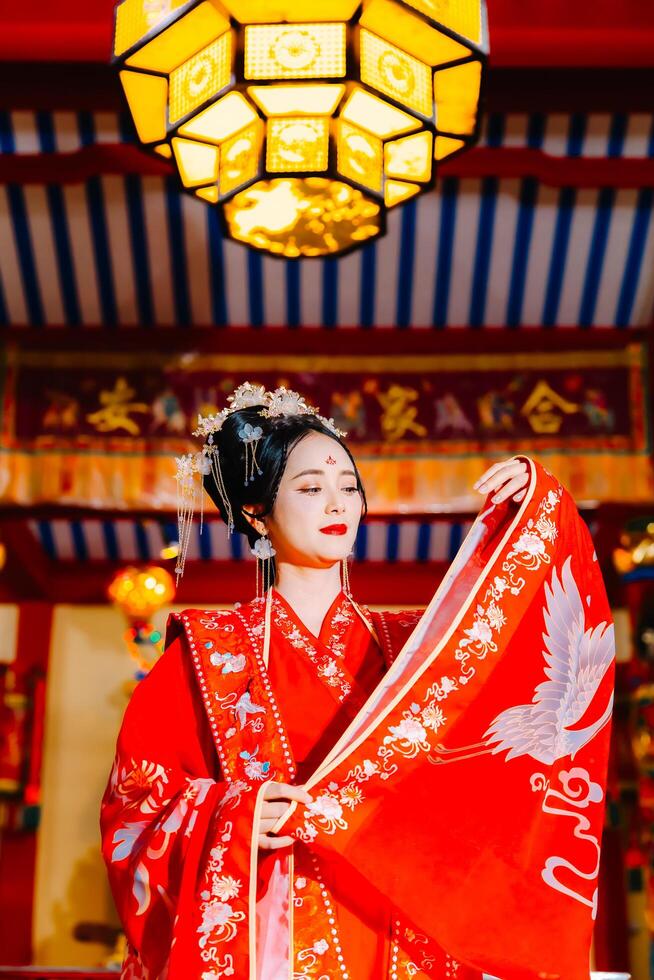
315, 687
457, 773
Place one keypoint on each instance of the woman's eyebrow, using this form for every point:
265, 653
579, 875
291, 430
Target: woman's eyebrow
308, 473
321, 473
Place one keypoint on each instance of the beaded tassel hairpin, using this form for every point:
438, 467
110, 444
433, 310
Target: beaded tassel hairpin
189, 488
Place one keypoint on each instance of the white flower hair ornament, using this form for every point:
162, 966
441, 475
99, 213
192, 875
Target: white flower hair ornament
250, 435
193, 467
247, 396
284, 402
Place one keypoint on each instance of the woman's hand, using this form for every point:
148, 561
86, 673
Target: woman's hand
276, 798
509, 478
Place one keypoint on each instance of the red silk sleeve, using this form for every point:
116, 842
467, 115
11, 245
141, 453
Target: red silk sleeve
158, 808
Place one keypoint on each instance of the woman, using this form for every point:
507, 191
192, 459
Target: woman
254, 697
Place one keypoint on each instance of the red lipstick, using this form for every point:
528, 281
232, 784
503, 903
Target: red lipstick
334, 529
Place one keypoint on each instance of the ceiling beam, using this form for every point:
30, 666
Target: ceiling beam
94, 86
282, 340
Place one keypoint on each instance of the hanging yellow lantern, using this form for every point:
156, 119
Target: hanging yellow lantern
304, 121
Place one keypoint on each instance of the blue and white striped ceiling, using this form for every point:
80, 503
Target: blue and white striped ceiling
133, 251
129, 539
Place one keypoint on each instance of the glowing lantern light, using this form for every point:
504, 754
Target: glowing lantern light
303, 121
139, 593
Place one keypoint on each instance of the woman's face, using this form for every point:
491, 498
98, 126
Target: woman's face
318, 508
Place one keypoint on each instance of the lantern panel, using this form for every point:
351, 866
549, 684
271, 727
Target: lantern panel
298, 144
445, 146
290, 51
240, 158
221, 120
164, 150
461, 16
136, 18
286, 100
147, 96
399, 75
197, 162
209, 194
182, 39
292, 11
378, 117
293, 216
411, 33
456, 91
202, 76
397, 191
409, 158
359, 156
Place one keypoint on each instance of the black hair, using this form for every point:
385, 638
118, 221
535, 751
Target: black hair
280, 435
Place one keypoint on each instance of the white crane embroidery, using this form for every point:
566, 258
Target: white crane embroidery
245, 706
576, 661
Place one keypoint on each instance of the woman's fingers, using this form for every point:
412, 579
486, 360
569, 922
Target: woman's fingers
508, 489
491, 472
501, 475
276, 798
274, 843
270, 810
282, 791
266, 824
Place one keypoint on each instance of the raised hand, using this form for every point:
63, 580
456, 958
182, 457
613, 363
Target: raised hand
505, 479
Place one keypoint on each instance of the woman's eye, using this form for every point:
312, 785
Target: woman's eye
351, 489
309, 489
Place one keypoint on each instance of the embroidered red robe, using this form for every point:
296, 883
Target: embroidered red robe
455, 821
167, 769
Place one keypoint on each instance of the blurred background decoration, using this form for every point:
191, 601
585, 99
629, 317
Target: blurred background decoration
636, 549
139, 593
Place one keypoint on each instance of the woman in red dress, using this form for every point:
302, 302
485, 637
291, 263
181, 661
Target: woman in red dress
255, 697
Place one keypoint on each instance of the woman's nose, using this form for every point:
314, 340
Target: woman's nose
335, 506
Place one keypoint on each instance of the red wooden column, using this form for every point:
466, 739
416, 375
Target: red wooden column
18, 844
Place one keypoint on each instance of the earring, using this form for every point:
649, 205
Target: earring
264, 553
345, 577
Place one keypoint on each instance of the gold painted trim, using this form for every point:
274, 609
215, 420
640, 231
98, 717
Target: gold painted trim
250, 364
